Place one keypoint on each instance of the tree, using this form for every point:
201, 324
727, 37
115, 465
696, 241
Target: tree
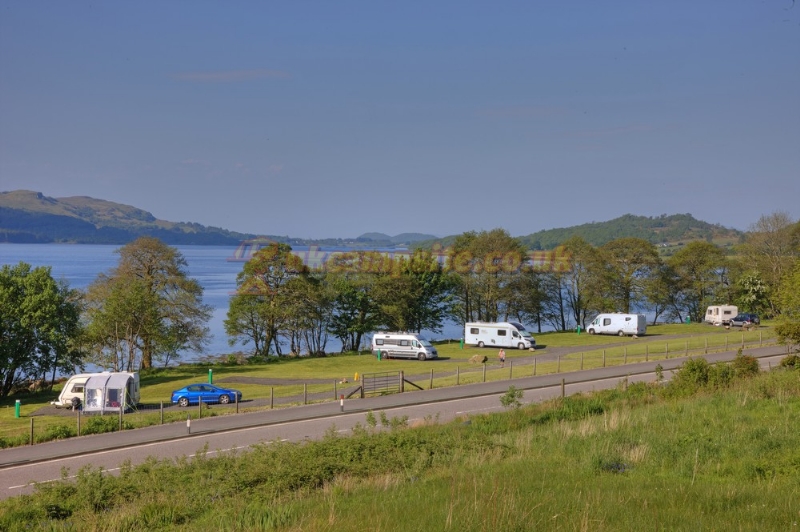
485, 263
771, 248
584, 282
39, 326
631, 262
264, 303
147, 309
416, 295
788, 327
701, 277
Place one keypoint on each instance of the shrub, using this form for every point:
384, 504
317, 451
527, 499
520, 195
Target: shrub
790, 362
692, 375
745, 366
512, 398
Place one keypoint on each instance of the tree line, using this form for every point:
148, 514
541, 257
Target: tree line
147, 311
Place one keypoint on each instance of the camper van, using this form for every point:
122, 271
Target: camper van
618, 324
74, 393
402, 345
721, 314
498, 334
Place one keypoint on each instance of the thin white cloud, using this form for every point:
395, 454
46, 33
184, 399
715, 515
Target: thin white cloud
230, 76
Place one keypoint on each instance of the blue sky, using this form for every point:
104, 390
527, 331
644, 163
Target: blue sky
335, 118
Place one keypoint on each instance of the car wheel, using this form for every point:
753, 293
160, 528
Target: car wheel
421, 357
183, 401
224, 399
520, 346
480, 344
621, 333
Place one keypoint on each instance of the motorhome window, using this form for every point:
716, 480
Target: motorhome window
627, 319
378, 341
606, 321
425, 343
473, 330
404, 342
727, 312
501, 332
414, 343
514, 334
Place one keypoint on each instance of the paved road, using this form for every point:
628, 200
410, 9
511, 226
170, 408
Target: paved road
22, 465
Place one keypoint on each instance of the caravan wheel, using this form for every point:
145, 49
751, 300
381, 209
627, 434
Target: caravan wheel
621, 333
480, 344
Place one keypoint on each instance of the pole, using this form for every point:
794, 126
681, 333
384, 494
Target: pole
272, 397
16, 409
335, 392
510, 369
431, 386
558, 365
31, 431
341, 403
625, 359
162, 412
210, 376
458, 375
79, 422
484, 373
188, 423
305, 393
534, 367
604, 358
236, 399
562, 388
581, 361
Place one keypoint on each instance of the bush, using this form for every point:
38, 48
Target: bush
512, 398
745, 366
790, 362
103, 424
691, 376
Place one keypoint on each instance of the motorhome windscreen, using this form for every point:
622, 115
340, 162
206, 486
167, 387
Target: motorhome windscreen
425, 342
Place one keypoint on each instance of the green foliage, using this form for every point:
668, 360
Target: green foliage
39, 326
790, 362
103, 424
745, 366
512, 398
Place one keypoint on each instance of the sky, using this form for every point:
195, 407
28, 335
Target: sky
322, 119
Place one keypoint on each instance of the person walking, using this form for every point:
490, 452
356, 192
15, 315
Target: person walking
502, 356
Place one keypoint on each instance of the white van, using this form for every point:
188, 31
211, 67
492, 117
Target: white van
73, 393
618, 324
721, 314
498, 334
402, 345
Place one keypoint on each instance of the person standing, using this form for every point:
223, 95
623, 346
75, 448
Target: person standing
502, 356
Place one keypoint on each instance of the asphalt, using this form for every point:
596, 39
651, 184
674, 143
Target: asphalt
173, 431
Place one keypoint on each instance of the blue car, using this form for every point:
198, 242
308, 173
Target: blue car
208, 393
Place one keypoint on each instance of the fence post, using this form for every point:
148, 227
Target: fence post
666, 350
402, 381
562, 388
335, 395
646, 353
120, 418
305, 393
271, 397
604, 358
236, 399
161, 409
687, 348
200, 408
510, 369
79, 422
431, 387
625, 358
760, 339
484, 373
534, 367
742, 340
31, 431
458, 375
706, 351
558, 366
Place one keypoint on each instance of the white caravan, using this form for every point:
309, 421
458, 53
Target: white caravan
721, 314
73, 392
618, 324
402, 345
498, 334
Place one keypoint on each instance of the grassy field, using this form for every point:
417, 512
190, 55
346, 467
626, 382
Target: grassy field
683, 456
322, 378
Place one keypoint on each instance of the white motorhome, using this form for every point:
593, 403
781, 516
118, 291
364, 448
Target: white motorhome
721, 314
73, 392
402, 345
498, 334
618, 324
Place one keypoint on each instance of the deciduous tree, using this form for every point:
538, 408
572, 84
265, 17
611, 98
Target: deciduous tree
39, 326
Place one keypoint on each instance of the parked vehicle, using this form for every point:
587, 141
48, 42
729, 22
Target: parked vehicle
111, 392
73, 392
402, 345
208, 393
720, 314
498, 334
619, 324
745, 319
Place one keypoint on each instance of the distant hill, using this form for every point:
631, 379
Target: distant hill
32, 217
660, 230
401, 239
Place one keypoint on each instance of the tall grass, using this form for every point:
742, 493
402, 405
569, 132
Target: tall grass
696, 454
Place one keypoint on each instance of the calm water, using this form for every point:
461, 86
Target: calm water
80, 264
